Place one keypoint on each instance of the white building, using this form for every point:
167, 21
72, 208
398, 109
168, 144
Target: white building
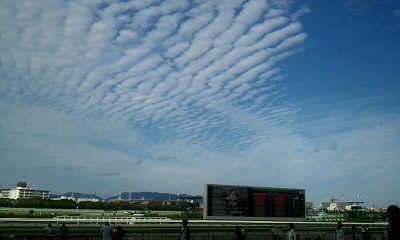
336, 205
22, 191
4, 193
87, 200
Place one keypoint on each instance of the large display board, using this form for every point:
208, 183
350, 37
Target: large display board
253, 203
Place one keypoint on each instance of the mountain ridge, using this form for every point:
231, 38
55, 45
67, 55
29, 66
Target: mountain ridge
154, 196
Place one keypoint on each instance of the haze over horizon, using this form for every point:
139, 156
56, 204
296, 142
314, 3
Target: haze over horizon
166, 96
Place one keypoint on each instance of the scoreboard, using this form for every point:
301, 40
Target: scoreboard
253, 203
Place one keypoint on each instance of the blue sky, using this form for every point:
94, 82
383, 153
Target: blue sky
169, 95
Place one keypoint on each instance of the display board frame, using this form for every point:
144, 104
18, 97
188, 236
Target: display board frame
235, 202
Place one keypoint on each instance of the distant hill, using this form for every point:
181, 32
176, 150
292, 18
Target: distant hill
156, 196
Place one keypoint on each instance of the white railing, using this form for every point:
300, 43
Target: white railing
128, 220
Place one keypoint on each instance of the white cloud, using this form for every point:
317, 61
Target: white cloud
126, 36
251, 12
304, 10
176, 50
258, 30
111, 91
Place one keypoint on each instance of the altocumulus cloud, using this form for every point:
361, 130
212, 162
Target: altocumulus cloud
94, 86
149, 92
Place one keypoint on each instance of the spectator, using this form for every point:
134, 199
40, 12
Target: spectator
393, 230
365, 232
185, 232
49, 230
274, 231
339, 232
63, 229
106, 232
277, 233
353, 232
120, 233
291, 235
240, 233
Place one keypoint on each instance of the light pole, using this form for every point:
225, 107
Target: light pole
358, 209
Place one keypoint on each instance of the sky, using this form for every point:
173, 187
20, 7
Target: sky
111, 96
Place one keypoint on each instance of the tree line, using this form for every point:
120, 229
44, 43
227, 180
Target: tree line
116, 205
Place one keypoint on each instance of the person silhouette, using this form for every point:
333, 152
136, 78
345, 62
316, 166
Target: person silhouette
49, 230
238, 233
279, 233
291, 235
185, 232
276, 233
120, 233
63, 231
393, 229
354, 232
339, 231
365, 232
106, 231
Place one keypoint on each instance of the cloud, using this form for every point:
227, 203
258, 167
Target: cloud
104, 93
177, 49
304, 10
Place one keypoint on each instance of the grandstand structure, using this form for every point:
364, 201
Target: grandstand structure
22, 191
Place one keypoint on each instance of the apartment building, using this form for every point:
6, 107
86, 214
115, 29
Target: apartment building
22, 191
